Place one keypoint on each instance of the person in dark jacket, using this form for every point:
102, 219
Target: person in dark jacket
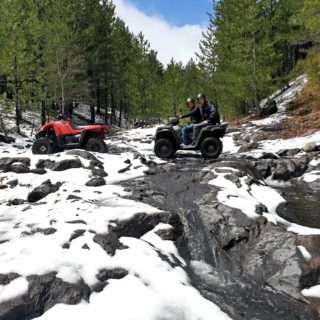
209, 112
195, 117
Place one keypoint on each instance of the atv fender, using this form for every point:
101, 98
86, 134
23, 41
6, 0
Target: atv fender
167, 134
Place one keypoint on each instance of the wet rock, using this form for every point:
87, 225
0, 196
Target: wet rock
45, 163
83, 154
107, 274
42, 191
96, 182
309, 147
67, 164
109, 242
76, 234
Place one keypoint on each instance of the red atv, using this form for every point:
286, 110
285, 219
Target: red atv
61, 134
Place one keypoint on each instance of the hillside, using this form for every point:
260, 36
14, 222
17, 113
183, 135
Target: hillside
125, 236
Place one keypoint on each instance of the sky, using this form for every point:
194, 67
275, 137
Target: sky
173, 27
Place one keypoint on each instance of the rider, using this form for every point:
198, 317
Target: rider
209, 114
195, 117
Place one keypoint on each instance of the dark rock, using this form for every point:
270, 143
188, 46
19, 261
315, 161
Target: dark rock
268, 155
293, 152
150, 172
261, 209
287, 169
16, 202
245, 147
42, 191
76, 222
67, 164
269, 108
43, 293
46, 231
107, 274
18, 146
3, 186
96, 164
96, 182
4, 162
166, 234
17, 168
127, 161
76, 191
6, 140
109, 242
83, 154
99, 172
76, 234
127, 168
73, 197
13, 183
39, 171
5, 279
45, 164
85, 247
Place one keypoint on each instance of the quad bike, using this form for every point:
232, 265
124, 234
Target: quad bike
61, 134
168, 140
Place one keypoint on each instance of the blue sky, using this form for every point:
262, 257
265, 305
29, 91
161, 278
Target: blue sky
177, 12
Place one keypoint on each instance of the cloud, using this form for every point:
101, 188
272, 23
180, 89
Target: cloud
179, 43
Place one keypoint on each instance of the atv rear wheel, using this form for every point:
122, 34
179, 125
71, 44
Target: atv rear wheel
43, 146
96, 145
211, 147
164, 148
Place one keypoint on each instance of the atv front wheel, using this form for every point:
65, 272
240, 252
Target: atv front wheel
211, 147
164, 148
96, 145
42, 146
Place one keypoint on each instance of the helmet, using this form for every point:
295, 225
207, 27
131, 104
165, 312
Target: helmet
201, 95
190, 100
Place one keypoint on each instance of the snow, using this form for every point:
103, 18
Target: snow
14, 289
311, 176
313, 292
282, 99
154, 288
305, 253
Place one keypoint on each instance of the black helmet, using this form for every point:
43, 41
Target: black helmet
190, 100
201, 95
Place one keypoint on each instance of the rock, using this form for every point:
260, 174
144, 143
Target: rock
76, 222
109, 242
5, 279
287, 169
6, 140
42, 191
67, 164
310, 147
83, 154
127, 168
99, 172
76, 234
268, 155
85, 247
73, 197
269, 108
166, 234
43, 293
7, 161
16, 202
46, 231
290, 152
45, 163
127, 161
13, 183
96, 182
3, 186
39, 171
106, 274
18, 146
245, 147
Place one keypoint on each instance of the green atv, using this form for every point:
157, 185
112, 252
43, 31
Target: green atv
168, 140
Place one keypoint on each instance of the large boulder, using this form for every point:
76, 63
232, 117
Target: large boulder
287, 169
310, 147
96, 182
67, 164
45, 164
8, 161
269, 108
83, 154
42, 191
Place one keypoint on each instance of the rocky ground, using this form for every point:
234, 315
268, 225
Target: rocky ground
125, 235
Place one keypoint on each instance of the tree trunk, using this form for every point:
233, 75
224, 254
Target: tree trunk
16, 94
254, 83
3, 128
98, 97
105, 99
113, 111
93, 116
120, 113
43, 112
